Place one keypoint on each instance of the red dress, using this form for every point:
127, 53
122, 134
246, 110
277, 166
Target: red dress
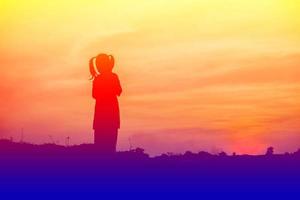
106, 88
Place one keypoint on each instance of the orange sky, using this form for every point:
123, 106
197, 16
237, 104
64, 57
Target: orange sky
197, 75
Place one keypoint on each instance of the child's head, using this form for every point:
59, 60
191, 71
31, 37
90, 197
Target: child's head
103, 63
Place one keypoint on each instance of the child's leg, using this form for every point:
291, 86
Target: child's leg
114, 139
105, 140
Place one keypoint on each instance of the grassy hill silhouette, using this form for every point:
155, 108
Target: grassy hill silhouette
79, 170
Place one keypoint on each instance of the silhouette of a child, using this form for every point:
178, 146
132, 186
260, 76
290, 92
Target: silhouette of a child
106, 88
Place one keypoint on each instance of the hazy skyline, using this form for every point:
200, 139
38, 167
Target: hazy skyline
196, 75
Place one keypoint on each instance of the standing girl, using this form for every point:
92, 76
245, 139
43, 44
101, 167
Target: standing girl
106, 89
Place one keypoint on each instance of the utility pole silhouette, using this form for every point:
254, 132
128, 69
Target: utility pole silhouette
67, 141
22, 135
130, 144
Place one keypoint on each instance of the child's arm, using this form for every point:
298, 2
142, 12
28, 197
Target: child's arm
118, 88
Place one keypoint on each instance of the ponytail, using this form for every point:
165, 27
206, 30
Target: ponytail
92, 68
112, 60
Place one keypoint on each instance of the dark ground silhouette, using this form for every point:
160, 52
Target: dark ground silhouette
80, 170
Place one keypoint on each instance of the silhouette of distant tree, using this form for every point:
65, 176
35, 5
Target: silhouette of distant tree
222, 153
270, 151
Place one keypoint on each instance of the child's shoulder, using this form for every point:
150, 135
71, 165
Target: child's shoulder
114, 75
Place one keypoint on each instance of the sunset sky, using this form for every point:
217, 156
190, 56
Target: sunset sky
218, 75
